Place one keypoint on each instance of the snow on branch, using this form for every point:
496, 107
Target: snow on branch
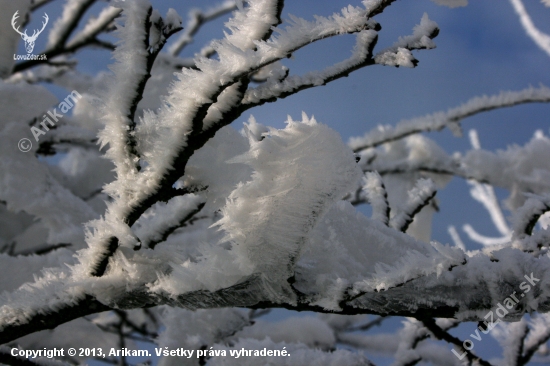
160, 223
377, 197
142, 37
526, 217
362, 56
67, 23
196, 19
282, 87
419, 197
538, 335
400, 53
451, 118
440, 333
124, 92
94, 27
485, 194
541, 39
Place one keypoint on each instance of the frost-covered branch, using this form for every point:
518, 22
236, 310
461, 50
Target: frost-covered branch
93, 28
277, 89
72, 13
400, 53
377, 197
450, 119
144, 33
196, 19
419, 197
439, 333
526, 217
541, 39
538, 335
168, 218
362, 56
484, 194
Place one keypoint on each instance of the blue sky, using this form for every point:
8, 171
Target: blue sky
481, 49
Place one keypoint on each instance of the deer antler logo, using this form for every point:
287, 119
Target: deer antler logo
29, 40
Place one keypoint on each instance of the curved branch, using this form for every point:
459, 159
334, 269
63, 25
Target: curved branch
49, 320
451, 118
541, 39
197, 20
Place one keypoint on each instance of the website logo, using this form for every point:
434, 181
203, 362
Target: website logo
29, 40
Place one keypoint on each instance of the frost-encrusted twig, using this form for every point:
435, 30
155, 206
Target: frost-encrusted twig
167, 165
94, 27
377, 197
410, 336
142, 38
196, 19
483, 239
167, 218
538, 335
400, 53
419, 298
451, 118
278, 88
513, 342
127, 89
526, 217
411, 167
43, 249
419, 197
485, 194
456, 238
273, 89
362, 56
541, 39
72, 13
441, 334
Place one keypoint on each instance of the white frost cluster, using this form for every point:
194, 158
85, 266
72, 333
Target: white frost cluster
299, 172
